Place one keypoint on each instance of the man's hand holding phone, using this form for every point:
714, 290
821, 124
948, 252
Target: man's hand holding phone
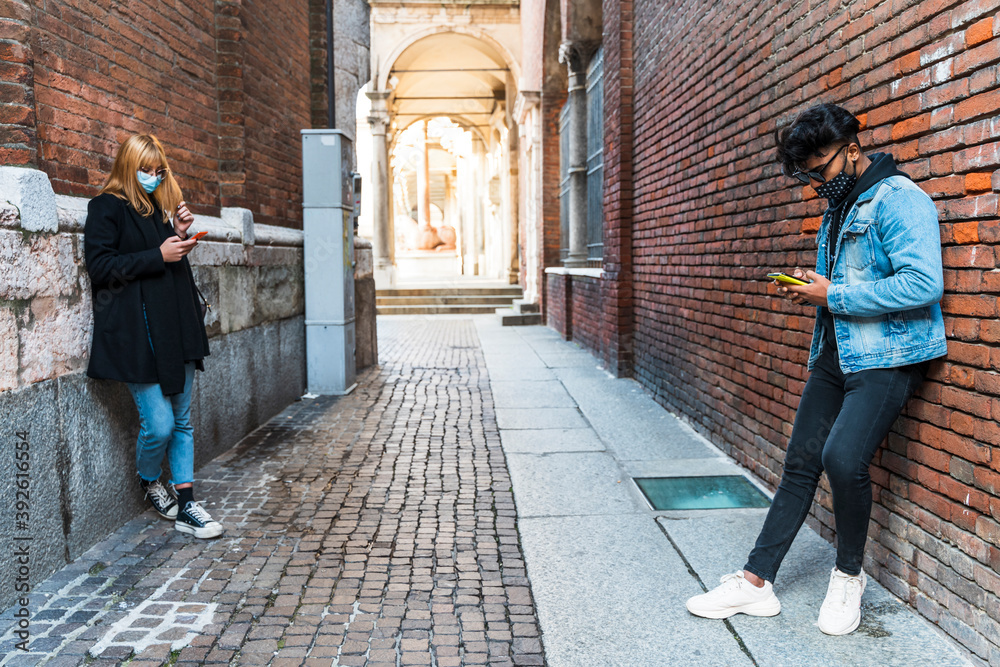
813, 291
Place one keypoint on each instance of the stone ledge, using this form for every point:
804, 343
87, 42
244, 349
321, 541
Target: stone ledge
30, 193
27, 203
564, 271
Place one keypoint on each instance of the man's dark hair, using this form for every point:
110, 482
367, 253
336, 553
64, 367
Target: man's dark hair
814, 130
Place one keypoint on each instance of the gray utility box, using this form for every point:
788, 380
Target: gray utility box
328, 228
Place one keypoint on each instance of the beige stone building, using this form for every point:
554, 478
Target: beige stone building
437, 135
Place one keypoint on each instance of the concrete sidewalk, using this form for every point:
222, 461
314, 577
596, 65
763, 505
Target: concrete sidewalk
609, 575
471, 503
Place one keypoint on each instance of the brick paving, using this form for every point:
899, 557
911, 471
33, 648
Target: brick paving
376, 529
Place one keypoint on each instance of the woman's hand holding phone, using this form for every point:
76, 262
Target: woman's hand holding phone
174, 248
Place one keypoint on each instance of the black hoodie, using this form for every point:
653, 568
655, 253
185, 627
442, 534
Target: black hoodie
882, 167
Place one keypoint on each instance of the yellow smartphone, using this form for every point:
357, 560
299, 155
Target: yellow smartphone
787, 279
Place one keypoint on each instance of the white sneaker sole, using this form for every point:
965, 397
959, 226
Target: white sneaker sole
835, 632
170, 514
770, 607
211, 530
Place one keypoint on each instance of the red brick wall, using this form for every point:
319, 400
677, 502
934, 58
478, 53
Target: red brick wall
558, 313
574, 309
277, 85
586, 327
225, 85
18, 136
102, 74
230, 64
616, 314
711, 214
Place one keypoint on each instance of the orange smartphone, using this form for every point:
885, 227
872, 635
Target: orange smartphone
199, 235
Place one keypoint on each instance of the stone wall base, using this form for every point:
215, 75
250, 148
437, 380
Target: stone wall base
81, 441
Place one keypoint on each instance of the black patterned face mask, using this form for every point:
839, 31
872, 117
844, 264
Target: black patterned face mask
837, 187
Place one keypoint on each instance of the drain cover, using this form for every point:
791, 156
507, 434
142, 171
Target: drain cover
700, 493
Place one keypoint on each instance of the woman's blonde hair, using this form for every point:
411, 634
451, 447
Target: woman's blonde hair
143, 150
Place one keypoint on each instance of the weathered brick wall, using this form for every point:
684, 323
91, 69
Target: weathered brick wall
585, 295
711, 214
616, 312
102, 73
225, 85
18, 135
276, 81
558, 310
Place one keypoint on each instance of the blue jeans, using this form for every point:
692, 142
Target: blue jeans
841, 421
165, 428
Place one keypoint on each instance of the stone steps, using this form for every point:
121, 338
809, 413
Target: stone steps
449, 300
519, 314
513, 291
437, 310
444, 300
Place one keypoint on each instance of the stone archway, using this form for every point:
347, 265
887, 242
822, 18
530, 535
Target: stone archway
427, 76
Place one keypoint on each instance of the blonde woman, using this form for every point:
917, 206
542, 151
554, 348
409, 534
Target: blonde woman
148, 327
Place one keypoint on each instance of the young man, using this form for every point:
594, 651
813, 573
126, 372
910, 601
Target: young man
876, 286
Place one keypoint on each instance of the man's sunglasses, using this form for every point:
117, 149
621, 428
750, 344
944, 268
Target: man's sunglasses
806, 176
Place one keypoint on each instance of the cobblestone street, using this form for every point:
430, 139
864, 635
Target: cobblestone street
375, 529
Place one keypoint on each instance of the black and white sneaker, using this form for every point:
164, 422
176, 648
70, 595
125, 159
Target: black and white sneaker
194, 520
162, 500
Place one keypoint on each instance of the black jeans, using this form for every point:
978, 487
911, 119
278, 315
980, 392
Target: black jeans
841, 421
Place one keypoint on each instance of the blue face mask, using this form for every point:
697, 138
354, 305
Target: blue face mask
148, 183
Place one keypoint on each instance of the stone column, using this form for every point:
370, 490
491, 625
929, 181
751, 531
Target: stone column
527, 113
576, 55
423, 182
456, 212
512, 208
466, 198
446, 208
378, 120
480, 188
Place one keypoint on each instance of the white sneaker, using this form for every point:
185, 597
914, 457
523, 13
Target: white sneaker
841, 610
195, 520
163, 502
735, 595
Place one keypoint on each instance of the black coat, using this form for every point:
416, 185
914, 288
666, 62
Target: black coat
127, 271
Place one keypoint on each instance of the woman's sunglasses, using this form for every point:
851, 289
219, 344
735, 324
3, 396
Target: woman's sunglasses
159, 173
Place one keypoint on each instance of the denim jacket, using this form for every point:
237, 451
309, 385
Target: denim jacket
887, 280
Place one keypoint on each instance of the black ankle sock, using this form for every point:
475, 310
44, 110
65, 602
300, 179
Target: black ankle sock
184, 496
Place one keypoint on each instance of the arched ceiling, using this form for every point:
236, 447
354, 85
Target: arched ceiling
448, 74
